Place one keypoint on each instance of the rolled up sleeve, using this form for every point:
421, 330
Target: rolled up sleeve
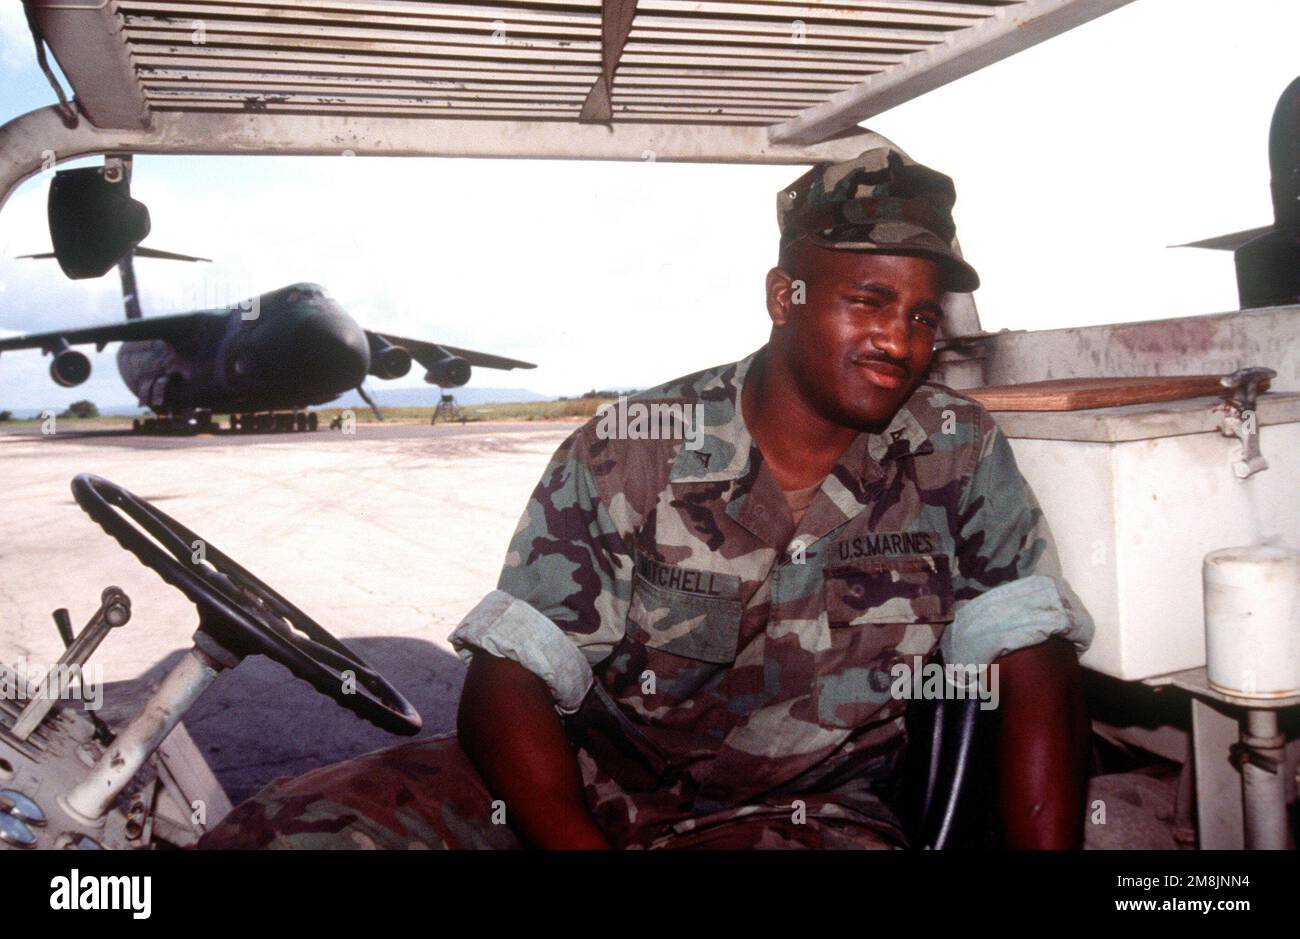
509, 628
1009, 588
561, 601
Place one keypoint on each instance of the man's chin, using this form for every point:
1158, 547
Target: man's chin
862, 406
873, 408
872, 420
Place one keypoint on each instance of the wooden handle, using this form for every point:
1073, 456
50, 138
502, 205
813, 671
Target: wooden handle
1073, 394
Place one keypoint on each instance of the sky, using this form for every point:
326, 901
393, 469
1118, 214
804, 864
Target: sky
1077, 162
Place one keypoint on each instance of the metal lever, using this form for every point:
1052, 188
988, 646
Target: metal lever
63, 623
1240, 419
114, 610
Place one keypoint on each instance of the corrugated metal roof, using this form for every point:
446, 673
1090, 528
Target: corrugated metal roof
707, 62
771, 63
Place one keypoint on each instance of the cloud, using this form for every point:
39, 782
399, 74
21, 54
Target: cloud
606, 273
15, 39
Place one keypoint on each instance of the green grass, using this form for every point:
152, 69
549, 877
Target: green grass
577, 409
66, 422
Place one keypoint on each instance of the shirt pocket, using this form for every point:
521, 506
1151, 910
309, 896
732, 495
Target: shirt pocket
701, 624
895, 590
882, 612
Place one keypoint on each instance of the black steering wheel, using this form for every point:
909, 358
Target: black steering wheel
239, 612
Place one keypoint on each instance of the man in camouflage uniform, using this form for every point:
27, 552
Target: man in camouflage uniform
697, 635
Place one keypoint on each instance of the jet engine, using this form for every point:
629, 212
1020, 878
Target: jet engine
445, 369
387, 360
70, 368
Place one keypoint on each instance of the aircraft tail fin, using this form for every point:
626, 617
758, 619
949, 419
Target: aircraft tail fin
143, 252
125, 267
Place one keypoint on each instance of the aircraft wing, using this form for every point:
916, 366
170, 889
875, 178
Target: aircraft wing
174, 329
427, 353
1230, 242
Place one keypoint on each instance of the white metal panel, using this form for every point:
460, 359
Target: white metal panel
1188, 345
1133, 519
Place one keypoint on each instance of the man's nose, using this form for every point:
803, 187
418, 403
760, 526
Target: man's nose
893, 335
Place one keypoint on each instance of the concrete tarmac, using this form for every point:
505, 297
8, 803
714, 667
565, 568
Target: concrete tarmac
386, 537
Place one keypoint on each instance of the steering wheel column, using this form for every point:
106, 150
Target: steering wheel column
190, 677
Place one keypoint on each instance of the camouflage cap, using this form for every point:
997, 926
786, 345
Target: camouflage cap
879, 201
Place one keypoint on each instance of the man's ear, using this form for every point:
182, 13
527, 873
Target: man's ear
781, 288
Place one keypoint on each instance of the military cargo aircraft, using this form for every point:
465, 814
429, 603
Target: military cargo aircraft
263, 361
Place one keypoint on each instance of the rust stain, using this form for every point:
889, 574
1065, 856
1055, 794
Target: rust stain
1194, 336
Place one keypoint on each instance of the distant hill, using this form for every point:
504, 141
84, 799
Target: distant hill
428, 396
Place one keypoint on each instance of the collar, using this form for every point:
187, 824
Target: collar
726, 444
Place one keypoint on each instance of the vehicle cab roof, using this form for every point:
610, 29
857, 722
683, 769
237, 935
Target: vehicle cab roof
771, 81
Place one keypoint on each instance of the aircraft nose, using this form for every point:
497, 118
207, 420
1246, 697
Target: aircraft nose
329, 349
319, 352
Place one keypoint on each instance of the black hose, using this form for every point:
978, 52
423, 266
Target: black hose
965, 740
936, 761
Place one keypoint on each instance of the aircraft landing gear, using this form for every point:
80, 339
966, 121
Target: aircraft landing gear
272, 422
193, 422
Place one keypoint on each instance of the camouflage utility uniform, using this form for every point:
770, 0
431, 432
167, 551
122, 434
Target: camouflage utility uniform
724, 673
